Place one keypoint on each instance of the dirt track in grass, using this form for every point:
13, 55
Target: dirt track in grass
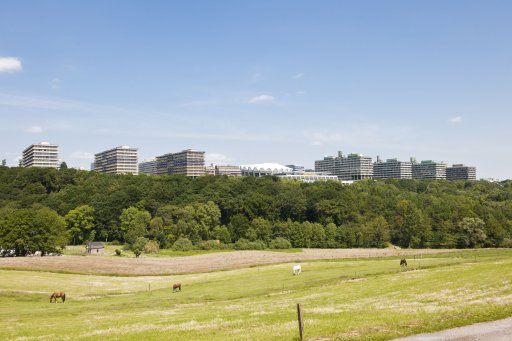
192, 264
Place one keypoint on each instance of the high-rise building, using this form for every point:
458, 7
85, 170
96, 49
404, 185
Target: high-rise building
356, 167
329, 165
209, 170
41, 154
148, 167
429, 170
347, 168
392, 169
187, 162
460, 172
163, 163
119, 160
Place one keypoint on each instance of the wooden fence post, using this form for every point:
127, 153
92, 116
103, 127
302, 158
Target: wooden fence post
301, 322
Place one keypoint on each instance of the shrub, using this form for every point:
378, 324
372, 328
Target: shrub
151, 247
139, 244
280, 243
137, 253
209, 245
244, 244
118, 252
182, 244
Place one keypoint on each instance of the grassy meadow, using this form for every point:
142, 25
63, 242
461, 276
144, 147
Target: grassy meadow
354, 299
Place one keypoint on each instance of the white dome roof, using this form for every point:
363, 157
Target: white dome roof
272, 167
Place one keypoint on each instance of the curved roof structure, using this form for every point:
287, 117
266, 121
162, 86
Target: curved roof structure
271, 167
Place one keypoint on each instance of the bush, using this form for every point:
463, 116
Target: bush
280, 243
139, 244
209, 245
137, 252
244, 244
151, 247
182, 244
118, 252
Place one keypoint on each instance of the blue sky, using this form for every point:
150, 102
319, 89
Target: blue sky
260, 81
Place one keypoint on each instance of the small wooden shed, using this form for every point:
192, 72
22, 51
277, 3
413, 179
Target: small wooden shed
95, 248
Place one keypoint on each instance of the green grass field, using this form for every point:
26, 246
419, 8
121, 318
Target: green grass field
364, 299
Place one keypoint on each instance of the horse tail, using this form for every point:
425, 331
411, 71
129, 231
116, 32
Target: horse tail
63, 297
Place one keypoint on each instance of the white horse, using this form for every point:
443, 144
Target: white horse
296, 269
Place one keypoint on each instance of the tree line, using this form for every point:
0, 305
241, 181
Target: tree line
52, 207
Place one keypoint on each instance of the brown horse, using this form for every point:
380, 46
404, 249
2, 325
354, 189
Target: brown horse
403, 262
56, 295
176, 287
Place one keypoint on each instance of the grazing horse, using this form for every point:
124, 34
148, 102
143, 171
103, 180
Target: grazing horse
176, 287
403, 262
56, 295
296, 270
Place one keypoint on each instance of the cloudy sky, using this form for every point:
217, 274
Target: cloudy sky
260, 81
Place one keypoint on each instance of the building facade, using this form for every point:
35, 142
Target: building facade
228, 170
356, 167
119, 160
429, 170
460, 172
392, 169
348, 168
187, 162
148, 167
41, 154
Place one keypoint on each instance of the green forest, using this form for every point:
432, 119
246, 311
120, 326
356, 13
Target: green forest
45, 209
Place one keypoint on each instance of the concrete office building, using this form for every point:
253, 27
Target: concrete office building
429, 170
187, 162
347, 168
329, 165
356, 167
209, 170
228, 170
164, 163
41, 154
119, 160
148, 167
392, 169
460, 172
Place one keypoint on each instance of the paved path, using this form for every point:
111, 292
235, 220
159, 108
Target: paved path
500, 330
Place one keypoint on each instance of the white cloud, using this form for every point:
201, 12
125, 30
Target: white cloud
10, 65
456, 119
81, 155
261, 98
34, 130
298, 75
216, 158
56, 83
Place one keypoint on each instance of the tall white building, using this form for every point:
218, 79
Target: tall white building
187, 162
392, 169
148, 166
460, 172
41, 154
348, 168
429, 170
119, 160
